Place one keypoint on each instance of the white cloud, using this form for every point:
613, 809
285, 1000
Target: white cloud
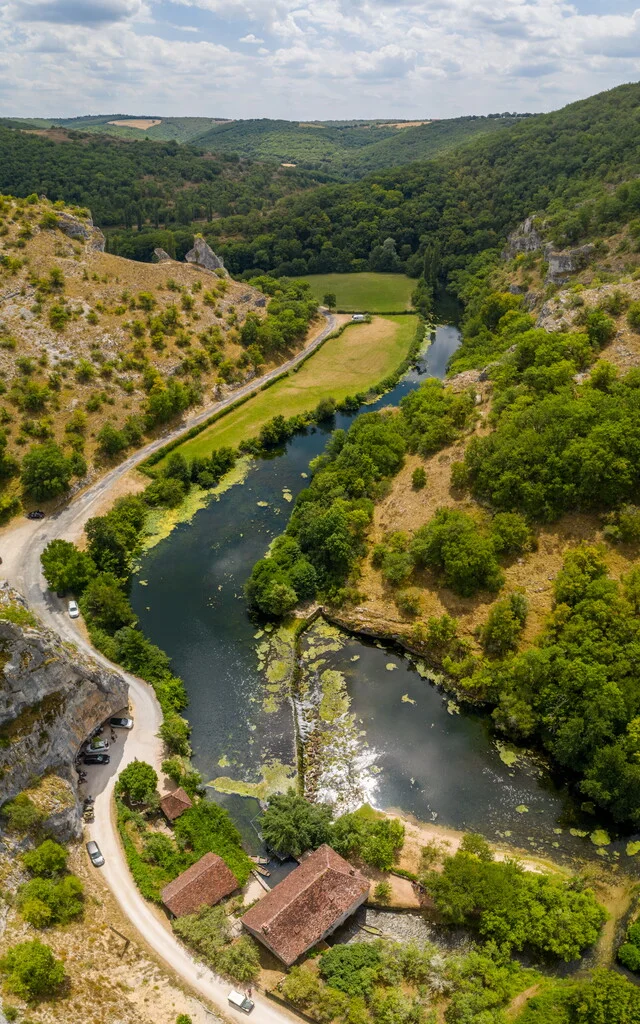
332, 58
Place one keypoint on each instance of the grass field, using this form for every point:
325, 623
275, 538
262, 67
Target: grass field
360, 357
365, 293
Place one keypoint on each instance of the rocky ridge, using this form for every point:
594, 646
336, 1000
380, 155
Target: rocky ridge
52, 697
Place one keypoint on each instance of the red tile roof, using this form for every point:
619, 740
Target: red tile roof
173, 804
204, 883
307, 904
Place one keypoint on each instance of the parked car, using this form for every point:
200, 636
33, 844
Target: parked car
74, 611
121, 723
94, 853
36, 514
96, 758
97, 746
240, 1002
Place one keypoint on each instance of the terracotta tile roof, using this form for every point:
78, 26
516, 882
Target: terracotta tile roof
307, 904
205, 882
173, 804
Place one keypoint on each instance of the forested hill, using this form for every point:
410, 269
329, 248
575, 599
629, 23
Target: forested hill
341, 149
465, 202
348, 149
138, 182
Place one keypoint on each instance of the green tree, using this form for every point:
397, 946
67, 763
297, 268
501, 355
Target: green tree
453, 543
46, 471
291, 825
418, 478
47, 860
31, 970
44, 901
138, 782
65, 567
111, 441
105, 604
504, 625
240, 960
329, 300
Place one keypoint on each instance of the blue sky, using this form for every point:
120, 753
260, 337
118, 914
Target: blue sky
311, 58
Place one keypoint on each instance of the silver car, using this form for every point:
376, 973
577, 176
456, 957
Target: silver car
94, 854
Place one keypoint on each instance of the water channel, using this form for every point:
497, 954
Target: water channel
431, 760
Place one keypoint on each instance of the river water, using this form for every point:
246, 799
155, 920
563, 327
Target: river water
431, 760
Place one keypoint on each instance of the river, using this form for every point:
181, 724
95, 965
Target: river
429, 758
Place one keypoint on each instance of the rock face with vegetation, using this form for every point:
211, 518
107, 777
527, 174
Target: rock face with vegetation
51, 698
203, 255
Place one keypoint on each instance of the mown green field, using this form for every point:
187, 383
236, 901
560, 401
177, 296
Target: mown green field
364, 293
356, 360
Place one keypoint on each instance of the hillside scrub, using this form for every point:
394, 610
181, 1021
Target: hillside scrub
325, 536
514, 907
574, 690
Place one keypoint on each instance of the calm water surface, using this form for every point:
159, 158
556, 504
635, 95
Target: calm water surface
436, 765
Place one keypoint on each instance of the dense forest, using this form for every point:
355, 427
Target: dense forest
133, 184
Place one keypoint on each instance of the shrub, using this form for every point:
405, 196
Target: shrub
46, 471
43, 901
31, 970
22, 814
175, 733
633, 316
65, 567
453, 543
382, 892
353, 969
46, 860
364, 834
409, 601
138, 781
205, 828
418, 478
292, 825
510, 533
504, 625
239, 961
397, 566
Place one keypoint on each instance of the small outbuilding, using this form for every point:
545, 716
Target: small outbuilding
205, 883
309, 904
174, 804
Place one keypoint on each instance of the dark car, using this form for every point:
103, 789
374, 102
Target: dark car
96, 758
36, 514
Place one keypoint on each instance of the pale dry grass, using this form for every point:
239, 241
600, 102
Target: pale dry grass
139, 122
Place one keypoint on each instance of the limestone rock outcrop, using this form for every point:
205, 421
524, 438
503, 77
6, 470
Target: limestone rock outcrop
568, 261
160, 256
203, 255
52, 697
82, 228
526, 238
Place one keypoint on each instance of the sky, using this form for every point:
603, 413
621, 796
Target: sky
311, 59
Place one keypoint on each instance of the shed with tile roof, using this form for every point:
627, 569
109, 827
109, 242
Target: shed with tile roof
205, 883
309, 904
175, 803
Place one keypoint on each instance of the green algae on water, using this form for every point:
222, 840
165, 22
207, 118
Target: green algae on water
600, 837
276, 778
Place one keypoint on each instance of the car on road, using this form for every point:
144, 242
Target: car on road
74, 611
94, 853
96, 758
121, 723
36, 514
240, 1002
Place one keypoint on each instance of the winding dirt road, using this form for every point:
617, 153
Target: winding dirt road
21, 546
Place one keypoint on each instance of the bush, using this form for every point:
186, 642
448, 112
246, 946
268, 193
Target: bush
629, 956
453, 543
504, 625
364, 834
382, 893
239, 961
409, 601
292, 825
633, 316
31, 970
205, 828
510, 533
65, 567
138, 782
43, 901
175, 733
353, 969
46, 860
22, 814
418, 478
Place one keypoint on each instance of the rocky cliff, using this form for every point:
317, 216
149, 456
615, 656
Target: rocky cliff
51, 698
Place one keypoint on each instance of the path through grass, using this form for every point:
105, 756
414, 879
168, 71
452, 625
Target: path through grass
356, 360
365, 293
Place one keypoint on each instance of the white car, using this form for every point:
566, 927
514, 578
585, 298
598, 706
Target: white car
240, 1002
74, 611
95, 854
